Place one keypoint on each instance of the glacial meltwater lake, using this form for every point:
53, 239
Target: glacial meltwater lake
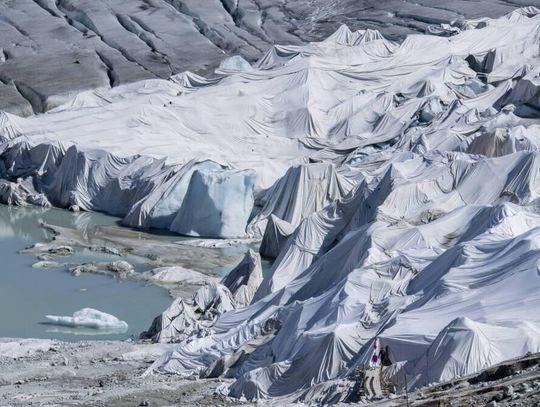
28, 294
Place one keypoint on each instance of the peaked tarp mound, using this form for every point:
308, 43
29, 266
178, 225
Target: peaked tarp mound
244, 280
401, 182
463, 340
276, 233
303, 190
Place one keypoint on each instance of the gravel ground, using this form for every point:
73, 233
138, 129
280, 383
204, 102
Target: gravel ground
37, 372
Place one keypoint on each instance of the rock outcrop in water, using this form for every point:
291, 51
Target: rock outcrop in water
396, 184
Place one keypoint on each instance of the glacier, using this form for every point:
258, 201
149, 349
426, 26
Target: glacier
86, 44
396, 184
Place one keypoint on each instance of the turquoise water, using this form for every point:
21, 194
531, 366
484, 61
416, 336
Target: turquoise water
28, 294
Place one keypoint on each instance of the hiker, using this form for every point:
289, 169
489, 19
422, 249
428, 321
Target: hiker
384, 356
375, 360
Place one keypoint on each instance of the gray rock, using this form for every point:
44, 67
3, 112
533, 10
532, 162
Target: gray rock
45, 264
74, 208
61, 250
525, 387
508, 391
120, 266
83, 268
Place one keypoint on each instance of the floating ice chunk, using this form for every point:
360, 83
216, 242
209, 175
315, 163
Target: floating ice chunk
45, 264
89, 318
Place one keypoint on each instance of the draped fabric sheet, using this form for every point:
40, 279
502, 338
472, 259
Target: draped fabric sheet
397, 185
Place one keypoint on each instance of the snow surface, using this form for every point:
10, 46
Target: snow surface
397, 185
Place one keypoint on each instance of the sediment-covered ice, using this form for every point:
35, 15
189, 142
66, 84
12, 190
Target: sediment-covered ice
89, 318
396, 184
86, 44
17, 348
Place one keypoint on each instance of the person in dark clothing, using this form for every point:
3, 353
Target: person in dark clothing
384, 356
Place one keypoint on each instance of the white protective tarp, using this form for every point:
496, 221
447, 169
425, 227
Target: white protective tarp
187, 317
413, 195
304, 189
